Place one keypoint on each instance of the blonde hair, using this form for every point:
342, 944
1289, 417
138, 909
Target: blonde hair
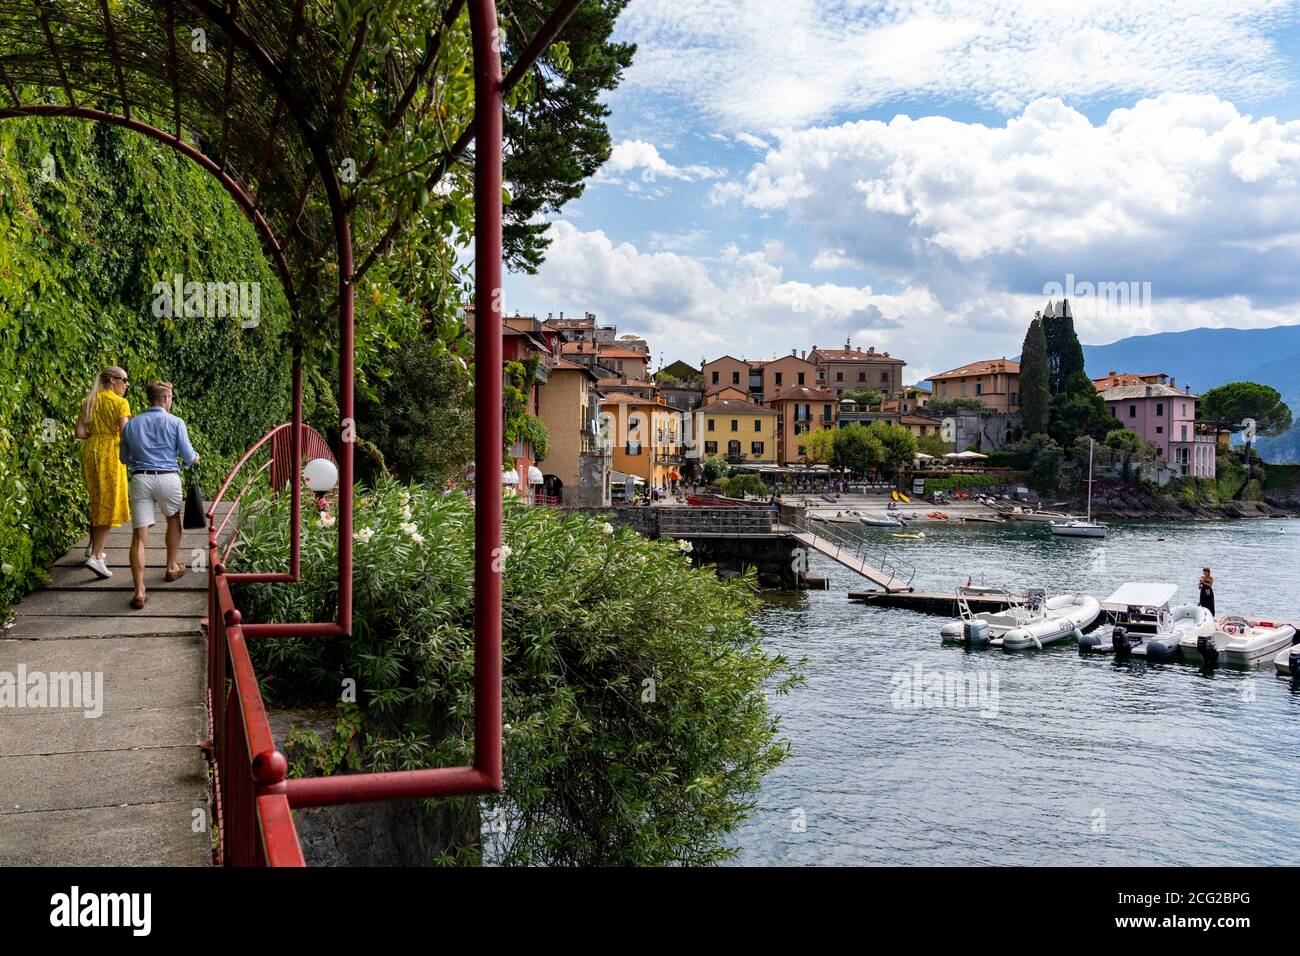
102, 381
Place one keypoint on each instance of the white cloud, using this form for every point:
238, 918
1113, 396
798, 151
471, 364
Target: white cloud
747, 304
752, 141
767, 64
1183, 191
743, 302
643, 160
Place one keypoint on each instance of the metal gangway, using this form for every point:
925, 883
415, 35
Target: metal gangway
854, 550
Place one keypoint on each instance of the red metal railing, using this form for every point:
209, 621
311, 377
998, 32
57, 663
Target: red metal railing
254, 799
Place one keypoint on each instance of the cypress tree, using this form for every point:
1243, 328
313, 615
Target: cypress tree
1035, 392
1064, 353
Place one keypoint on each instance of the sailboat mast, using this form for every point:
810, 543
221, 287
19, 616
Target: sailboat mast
1091, 442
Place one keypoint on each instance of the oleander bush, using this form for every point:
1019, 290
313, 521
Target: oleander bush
637, 727
91, 216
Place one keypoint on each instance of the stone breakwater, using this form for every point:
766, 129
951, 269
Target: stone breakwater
1138, 503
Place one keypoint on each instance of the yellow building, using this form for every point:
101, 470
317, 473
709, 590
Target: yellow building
647, 437
739, 432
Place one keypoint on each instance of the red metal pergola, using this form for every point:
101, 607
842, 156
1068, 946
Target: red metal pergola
124, 69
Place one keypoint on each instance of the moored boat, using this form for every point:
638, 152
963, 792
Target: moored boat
881, 521
1238, 642
1023, 622
1287, 660
1148, 627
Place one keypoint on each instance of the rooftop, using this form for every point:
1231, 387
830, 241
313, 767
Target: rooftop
736, 407
854, 355
623, 398
984, 367
802, 392
1128, 392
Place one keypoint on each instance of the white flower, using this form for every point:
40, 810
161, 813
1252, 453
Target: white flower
327, 520
607, 528
409, 528
685, 546
417, 537
406, 513
506, 551
404, 497
364, 535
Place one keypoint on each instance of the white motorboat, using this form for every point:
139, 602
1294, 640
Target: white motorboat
881, 521
1087, 528
1023, 622
1148, 626
1288, 660
1237, 641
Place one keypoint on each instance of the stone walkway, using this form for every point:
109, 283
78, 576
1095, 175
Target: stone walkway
130, 787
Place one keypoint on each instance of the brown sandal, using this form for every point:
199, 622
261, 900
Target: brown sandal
139, 602
174, 575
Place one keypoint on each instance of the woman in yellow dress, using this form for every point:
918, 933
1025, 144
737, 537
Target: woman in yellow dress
100, 422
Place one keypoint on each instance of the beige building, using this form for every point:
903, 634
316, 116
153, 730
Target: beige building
726, 372
852, 369
800, 410
576, 467
758, 380
995, 383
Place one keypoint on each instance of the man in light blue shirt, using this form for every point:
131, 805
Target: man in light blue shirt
151, 444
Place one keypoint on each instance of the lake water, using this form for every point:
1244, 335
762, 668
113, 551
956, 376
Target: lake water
1081, 762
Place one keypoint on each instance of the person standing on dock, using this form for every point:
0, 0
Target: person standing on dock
1207, 590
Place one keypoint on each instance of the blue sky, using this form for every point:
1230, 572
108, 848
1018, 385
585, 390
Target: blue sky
912, 175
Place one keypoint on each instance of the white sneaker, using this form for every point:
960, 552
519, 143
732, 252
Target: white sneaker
99, 567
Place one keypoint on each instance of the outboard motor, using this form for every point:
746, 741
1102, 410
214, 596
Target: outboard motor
1293, 660
1209, 651
1089, 643
977, 634
1119, 641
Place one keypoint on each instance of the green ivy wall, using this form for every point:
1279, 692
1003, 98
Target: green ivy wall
91, 217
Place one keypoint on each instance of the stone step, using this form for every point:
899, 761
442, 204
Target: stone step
80, 578
150, 834
87, 602
139, 673
36, 627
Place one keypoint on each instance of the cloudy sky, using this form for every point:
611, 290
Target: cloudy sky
913, 174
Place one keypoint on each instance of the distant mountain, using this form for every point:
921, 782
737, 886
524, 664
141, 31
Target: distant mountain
1206, 358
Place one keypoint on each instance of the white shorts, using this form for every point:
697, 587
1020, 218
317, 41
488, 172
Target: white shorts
147, 492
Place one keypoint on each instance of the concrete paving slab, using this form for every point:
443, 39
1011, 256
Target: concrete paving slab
83, 579
46, 733
35, 627
102, 779
98, 603
152, 834
138, 672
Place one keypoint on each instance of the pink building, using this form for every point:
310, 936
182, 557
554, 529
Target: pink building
1165, 415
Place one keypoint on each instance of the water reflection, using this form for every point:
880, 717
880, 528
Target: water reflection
1088, 761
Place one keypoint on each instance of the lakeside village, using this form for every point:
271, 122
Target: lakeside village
591, 426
